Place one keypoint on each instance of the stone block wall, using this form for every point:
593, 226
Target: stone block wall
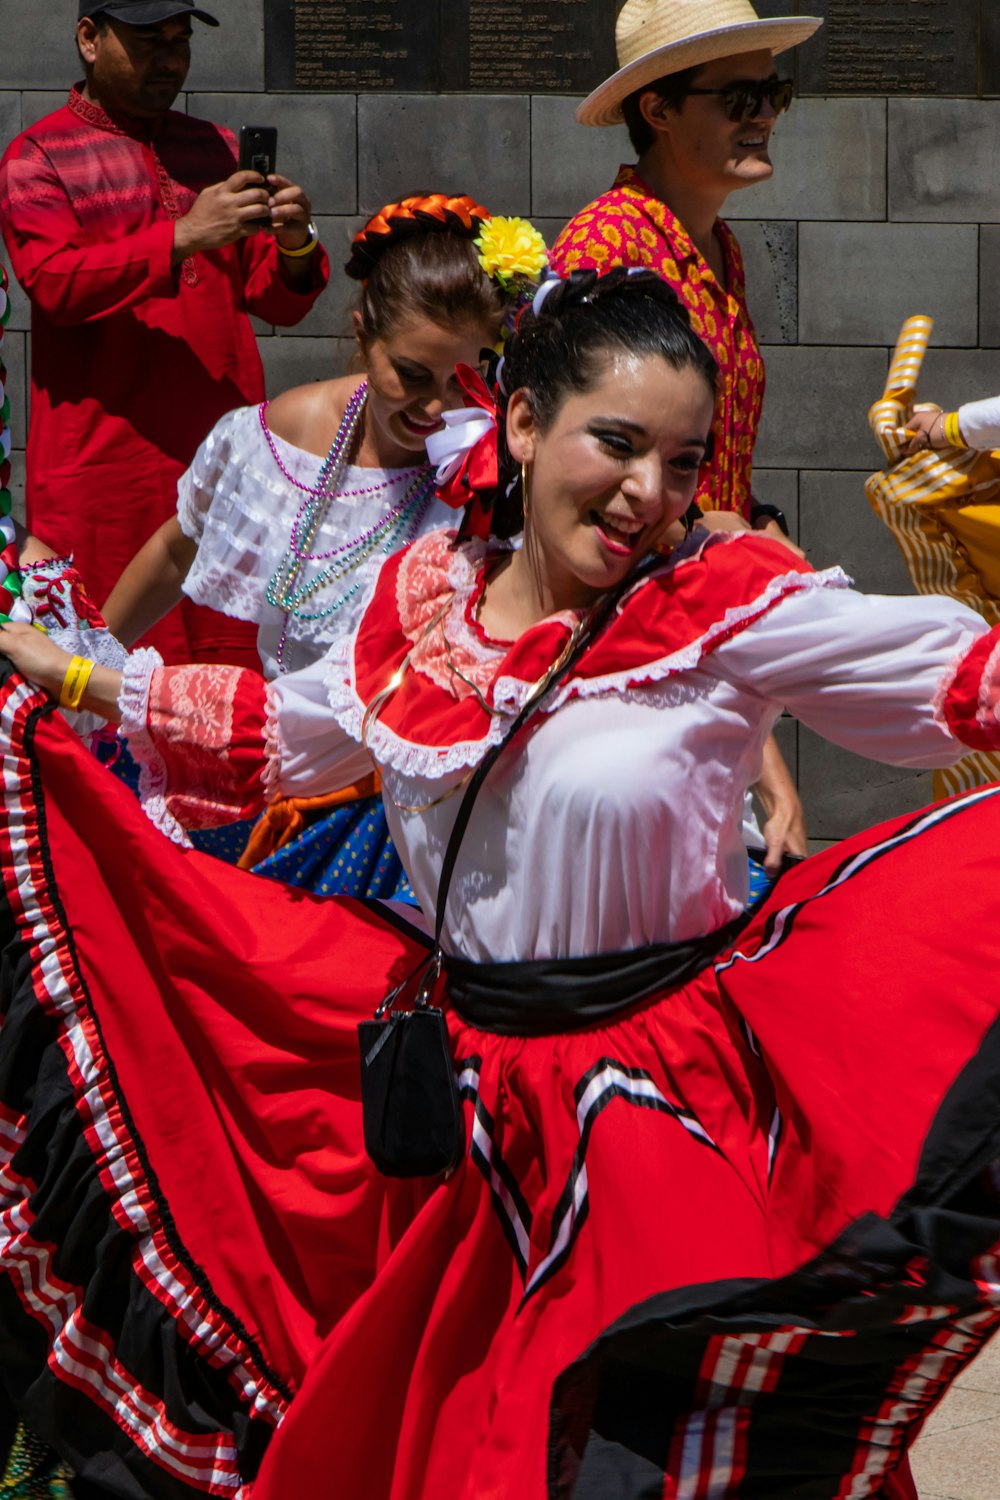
878, 208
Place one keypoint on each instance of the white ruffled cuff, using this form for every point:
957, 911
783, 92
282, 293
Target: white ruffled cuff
133, 704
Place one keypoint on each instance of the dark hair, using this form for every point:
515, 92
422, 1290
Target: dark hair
418, 257
672, 90
563, 349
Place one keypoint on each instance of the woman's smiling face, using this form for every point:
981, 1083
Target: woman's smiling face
615, 466
412, 380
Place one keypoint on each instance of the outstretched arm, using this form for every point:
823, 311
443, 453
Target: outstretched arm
151, 584
179, 721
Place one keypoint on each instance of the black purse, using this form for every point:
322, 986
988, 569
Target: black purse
411, 1108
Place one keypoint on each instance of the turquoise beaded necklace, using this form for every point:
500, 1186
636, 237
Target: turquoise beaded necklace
390, 533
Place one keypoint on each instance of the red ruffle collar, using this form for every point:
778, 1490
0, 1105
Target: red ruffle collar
459, 691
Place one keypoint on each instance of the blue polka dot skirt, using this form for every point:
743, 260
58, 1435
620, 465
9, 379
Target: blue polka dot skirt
347, 852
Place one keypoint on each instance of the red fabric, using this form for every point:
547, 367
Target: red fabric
629, 226
227, 1007
438, 1381
478, 473
132, 362
263, 1161
971, 706
213, 768
667, 613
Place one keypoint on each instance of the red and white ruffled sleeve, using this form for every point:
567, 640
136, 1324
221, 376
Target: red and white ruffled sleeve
214, 742
968, 701
902, 680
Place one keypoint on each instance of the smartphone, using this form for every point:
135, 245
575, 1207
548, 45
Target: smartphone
259, 153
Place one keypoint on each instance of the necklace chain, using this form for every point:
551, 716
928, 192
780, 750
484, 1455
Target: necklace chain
395, 529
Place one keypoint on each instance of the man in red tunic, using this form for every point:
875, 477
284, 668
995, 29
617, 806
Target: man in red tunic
137, 242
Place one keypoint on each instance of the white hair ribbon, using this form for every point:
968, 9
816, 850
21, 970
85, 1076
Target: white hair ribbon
463, 429
547, 286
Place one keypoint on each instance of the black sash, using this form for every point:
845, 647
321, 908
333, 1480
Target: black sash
540, 997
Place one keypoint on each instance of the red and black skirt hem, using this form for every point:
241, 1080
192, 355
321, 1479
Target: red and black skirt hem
114, 1346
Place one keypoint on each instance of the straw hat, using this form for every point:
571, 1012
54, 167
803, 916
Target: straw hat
656, 37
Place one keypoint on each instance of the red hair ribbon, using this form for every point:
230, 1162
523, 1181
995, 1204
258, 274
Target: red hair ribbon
465, 451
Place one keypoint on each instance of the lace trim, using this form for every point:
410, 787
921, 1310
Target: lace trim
133, 704
220, 589
387, 748
988, 711
271, 774
509, 693
966, 642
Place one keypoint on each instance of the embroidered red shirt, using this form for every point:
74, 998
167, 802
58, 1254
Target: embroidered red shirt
629, 227
132, 361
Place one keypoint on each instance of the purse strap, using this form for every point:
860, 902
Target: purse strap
583, 636
580, 641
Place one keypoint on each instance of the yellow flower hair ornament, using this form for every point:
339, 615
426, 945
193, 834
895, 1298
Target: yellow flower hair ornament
511, 252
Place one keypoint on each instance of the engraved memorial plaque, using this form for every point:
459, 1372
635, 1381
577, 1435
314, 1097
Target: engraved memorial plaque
424, 46
891, 47
527, 46
352, 45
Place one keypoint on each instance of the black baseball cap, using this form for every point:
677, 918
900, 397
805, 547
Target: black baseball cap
144, 12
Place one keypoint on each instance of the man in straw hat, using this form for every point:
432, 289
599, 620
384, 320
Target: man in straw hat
698, 90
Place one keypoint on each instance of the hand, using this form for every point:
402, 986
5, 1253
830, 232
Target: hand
784, 833
785, 829
36, 657
222, 214
731, 520
771, 528
291, 212
926, 429
724, 520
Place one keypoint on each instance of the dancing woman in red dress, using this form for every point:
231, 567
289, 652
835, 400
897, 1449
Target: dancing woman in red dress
727, 1216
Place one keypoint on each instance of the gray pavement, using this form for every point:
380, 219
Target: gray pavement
958, 1454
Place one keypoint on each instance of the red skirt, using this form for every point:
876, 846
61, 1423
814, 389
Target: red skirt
733, 1243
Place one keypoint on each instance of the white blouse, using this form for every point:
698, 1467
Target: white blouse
616, 823
237, 505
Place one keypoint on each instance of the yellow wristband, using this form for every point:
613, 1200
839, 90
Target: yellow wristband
75, 682
953, 431
306, 249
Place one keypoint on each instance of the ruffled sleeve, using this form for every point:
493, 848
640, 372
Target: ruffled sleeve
227, 506
214, 742
867, 671
58, 599
197, 486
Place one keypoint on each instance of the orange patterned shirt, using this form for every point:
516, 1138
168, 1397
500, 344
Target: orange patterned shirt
628, 226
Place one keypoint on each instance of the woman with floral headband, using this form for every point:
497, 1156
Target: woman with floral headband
699, 1204
289, 509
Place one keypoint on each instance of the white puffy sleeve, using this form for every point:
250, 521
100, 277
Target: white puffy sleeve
310, 754
228, 507
872, 673
980, 423
197, 486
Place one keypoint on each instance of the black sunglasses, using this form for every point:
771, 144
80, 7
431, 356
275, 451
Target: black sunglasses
745, 99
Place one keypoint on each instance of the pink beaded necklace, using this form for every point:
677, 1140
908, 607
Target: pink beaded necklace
399, 525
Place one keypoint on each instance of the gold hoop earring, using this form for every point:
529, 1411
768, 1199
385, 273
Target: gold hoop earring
524, 490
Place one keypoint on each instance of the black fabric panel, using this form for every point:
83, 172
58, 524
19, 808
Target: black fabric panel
74, 1213
636, 1383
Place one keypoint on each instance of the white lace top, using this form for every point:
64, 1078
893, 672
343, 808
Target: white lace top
237, 505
